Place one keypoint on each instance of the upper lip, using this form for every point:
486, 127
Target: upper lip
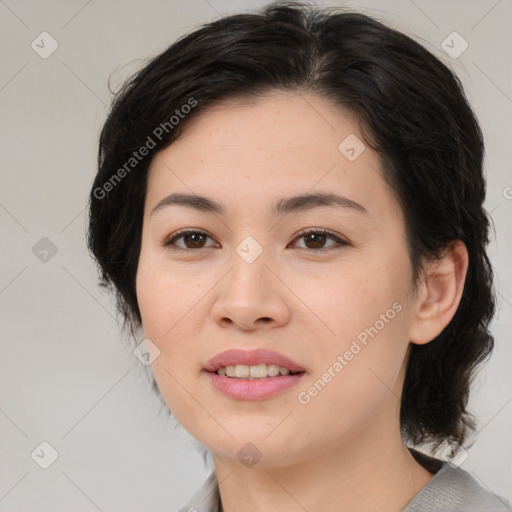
251, 358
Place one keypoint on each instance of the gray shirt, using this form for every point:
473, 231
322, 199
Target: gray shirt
451, 489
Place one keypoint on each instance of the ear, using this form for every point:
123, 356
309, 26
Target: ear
439, 294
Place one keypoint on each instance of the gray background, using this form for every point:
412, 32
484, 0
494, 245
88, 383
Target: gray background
67, 375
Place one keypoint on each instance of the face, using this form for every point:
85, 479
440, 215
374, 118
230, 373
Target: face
326, 286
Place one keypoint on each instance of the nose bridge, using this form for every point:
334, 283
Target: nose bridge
249, 278
250, 292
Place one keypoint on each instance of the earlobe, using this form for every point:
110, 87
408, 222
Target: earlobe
440, 293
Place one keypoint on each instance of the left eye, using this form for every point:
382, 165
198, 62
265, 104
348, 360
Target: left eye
196, 239
318, 237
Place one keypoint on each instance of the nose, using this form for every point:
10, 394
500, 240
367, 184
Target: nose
251, 296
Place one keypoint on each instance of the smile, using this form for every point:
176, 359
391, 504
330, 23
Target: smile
259, 371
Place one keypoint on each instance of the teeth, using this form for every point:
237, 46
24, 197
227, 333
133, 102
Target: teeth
272, 370
259, 371
242, 371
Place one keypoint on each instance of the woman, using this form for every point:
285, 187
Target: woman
289, 205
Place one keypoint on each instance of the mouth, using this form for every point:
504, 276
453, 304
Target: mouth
252, 375
252, 364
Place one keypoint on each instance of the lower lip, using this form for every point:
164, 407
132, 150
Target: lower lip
253, 389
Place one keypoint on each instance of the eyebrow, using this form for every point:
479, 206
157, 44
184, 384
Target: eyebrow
283, 206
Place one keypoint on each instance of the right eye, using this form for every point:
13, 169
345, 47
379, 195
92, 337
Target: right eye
193, 239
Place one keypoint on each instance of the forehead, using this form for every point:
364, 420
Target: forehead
283, 125
253, 152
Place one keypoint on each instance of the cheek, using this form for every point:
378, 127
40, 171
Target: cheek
167, 312
164, 298
355, 382
170, 311
358, 360
347, 303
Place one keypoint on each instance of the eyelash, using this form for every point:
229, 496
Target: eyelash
168, 244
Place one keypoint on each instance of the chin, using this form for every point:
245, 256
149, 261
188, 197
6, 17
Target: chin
251, 450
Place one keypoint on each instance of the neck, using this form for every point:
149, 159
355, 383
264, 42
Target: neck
374, 472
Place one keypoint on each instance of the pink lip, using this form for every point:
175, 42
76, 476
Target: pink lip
252, 389
255, 389
251, 358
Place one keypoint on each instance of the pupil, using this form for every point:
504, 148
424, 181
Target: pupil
194, 237
317, 244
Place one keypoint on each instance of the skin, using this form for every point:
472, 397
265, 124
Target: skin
342, 451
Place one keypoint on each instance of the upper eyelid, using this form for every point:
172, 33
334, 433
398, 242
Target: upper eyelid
186, 231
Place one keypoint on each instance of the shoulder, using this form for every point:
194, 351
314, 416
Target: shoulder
452, 489
206, 499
